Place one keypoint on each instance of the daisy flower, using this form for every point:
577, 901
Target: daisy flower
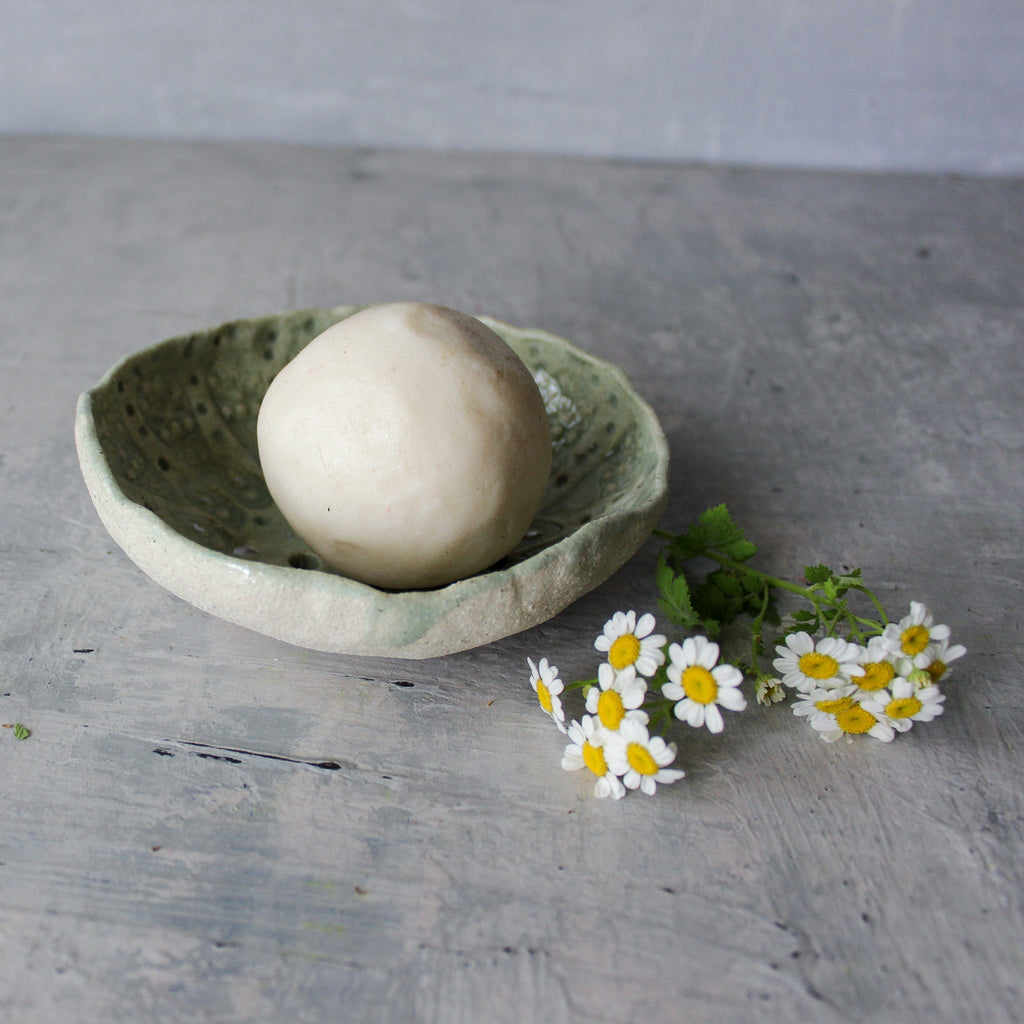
699, 684
586, 750
914, 632
902, 705
820, 703
843, 716
546, 684
640, 759
807, 665
617, 696
632, 643
935, 659
877, 665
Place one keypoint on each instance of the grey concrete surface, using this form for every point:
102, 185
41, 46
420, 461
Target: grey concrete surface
837, 357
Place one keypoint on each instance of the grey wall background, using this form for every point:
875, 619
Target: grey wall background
869, 84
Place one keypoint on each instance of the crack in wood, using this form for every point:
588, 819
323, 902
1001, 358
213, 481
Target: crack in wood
392, 682
213, 752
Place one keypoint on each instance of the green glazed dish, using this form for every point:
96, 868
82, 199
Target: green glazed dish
167, 446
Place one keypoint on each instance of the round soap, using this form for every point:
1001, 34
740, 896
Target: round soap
407, 445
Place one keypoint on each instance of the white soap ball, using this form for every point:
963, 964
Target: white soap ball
407, 445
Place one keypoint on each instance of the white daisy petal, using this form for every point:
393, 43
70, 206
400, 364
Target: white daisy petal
673, 691
830, 734
727, 675
730, 698
706, 652
693, 712
713, 718
645, 625
882, 731
796, 643
648, 664
609, 786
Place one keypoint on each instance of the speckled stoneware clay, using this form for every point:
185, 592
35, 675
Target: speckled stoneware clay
167, 446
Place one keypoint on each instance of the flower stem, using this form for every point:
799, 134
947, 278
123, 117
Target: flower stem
774, 581
811, 595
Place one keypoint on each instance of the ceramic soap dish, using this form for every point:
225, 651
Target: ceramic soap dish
167, 446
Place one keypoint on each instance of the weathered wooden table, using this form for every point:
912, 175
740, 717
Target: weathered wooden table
839, 358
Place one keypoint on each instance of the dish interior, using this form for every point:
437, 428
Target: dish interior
177, 426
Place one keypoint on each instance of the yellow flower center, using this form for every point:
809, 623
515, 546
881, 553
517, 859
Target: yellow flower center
877, 675
855, 719
610, 710
914, 639
833, 707
593, 758
903, 707
640, 760
699, 684
624, 651
544, 695
937, 669
818, 666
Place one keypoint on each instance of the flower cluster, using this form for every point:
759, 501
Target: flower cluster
860, 676
879, 688
614, 739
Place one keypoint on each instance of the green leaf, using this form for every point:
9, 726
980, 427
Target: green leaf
714, 531
849, 581
711, 628
740, 550
796, 627
724, 534
726, 594
729, 584
663, 575
21, 732
691, 544
717, 521
818, 574
675, 599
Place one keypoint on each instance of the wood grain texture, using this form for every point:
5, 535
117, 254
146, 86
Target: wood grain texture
209, 825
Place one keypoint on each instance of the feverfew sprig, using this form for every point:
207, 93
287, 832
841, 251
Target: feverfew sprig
850, 669
635, 693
